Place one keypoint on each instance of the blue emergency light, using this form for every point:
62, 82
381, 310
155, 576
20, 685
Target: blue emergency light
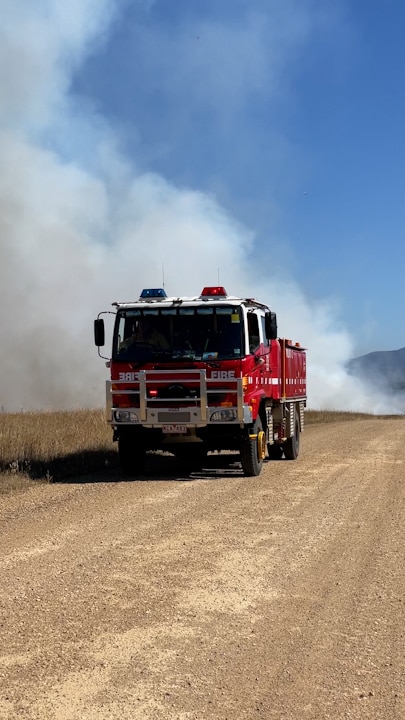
152, 293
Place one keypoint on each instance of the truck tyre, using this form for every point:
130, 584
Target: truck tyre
292, 445
252, 450
132, 458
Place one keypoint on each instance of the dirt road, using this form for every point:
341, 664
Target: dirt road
217, 596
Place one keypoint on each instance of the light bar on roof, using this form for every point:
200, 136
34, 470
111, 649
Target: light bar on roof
152, 293
215, 291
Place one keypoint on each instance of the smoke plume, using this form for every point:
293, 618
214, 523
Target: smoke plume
82, 227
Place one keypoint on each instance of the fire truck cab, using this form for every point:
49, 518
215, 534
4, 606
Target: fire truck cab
192, 375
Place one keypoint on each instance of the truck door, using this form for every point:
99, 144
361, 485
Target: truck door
255, 364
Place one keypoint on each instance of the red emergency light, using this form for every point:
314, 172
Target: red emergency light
217, 291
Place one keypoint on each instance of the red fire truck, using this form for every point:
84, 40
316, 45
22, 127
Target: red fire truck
192, 375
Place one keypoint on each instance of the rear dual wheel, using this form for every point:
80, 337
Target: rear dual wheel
292, 445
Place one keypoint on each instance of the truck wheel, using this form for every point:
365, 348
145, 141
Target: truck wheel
253, 450
132, 458
292, 445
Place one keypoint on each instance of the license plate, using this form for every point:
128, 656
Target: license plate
174, 429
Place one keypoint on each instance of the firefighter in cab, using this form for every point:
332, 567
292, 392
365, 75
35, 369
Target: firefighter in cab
146, 335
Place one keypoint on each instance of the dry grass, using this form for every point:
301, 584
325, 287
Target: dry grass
315, 417
50, 446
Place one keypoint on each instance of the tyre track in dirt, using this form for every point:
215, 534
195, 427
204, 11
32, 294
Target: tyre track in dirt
218, 597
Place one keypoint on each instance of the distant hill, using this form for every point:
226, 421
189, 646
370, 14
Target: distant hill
385, 368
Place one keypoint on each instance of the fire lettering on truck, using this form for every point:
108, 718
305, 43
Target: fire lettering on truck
128, 376
223, 374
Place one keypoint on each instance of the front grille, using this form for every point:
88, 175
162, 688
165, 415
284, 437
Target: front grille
177, 391
174, 417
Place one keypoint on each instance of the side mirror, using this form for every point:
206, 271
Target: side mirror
99, 333
271, 325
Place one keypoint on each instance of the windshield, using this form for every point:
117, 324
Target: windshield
178, 333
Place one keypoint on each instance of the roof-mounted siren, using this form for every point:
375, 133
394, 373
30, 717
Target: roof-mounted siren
153, 294
215, 291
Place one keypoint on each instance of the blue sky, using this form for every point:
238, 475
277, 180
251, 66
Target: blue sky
292, 115
260, 141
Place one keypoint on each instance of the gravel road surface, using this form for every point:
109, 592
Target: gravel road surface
212, 596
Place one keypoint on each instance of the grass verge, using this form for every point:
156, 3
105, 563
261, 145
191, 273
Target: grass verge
315, 417
51, 446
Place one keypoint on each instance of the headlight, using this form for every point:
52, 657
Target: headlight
125, 416
223, 415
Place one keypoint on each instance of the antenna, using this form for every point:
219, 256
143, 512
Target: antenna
163, 275
218, 277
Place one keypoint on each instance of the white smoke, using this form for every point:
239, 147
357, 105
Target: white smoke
81, 227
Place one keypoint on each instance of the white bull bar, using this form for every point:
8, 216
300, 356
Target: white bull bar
190, 411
